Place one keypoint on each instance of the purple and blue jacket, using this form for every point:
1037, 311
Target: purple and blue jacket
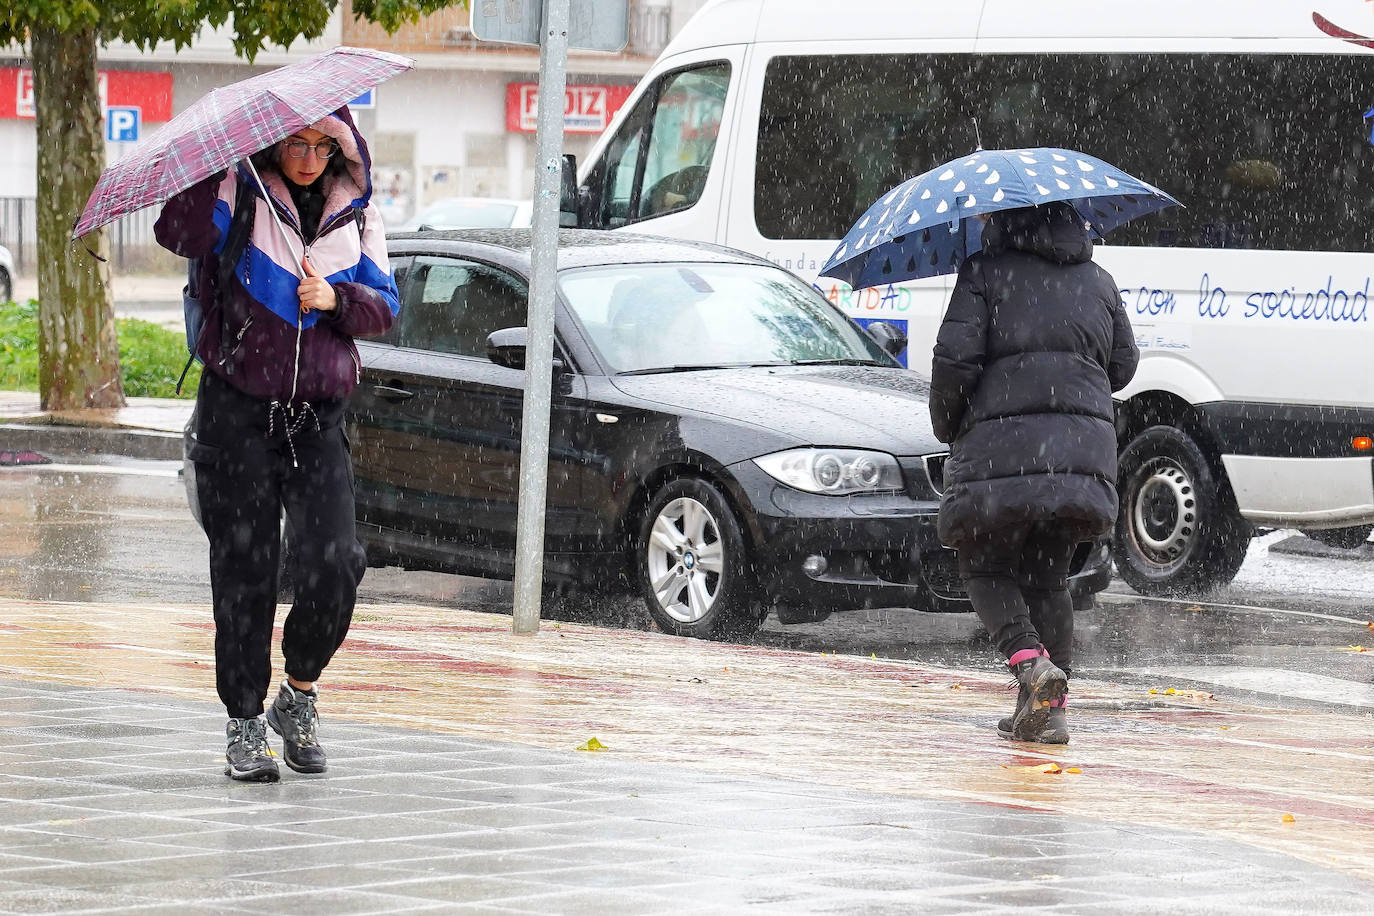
275, 353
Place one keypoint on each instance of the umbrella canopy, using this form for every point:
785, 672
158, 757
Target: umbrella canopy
925, 226
231, 123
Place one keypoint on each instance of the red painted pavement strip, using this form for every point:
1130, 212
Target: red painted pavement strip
1138, 777
1152, 774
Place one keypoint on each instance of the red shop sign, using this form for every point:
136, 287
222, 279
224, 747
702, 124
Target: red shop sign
587, 109
152, 92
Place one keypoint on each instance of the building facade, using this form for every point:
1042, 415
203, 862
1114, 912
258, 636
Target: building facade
459, 124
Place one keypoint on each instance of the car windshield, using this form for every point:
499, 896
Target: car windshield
467, 214
673, 317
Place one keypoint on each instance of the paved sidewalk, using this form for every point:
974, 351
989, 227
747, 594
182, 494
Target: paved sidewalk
734, 778
146, 428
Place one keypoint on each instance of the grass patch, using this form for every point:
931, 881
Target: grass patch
150, 356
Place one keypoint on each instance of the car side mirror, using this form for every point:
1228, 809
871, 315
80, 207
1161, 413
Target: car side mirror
567, 193
506, 347
890, 337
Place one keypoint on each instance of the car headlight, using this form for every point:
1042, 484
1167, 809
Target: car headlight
833, 471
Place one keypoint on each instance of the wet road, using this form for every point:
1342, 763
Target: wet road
119, 531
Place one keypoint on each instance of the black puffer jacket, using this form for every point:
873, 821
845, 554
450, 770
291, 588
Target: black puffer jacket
1033, 344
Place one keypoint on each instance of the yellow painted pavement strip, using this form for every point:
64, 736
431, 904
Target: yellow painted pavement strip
1214, 765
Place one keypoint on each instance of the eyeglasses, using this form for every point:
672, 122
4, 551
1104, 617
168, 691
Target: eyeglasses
297, 149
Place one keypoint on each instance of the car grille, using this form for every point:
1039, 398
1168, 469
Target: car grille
935, 470
924, 475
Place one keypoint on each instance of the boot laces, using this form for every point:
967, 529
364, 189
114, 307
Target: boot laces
252, 737
306, 719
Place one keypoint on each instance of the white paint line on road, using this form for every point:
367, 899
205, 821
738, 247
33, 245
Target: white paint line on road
1119, 598
91, 469
1280, 682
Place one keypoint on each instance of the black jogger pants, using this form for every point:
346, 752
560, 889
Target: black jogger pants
1016, 578
248, 471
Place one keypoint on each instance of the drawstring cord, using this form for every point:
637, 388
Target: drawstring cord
296, 363
294, 419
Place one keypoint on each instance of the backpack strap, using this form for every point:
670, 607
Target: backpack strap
235, 241
236, 237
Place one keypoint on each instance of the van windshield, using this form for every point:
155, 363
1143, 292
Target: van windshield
667, 317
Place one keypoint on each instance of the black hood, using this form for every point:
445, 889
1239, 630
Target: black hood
1055, 232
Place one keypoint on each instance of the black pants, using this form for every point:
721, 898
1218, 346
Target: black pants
1016, 579
247, 472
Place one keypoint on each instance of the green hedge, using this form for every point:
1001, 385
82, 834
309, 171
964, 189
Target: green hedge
150, 357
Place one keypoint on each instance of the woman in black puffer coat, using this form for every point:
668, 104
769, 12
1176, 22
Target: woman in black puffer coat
1033, 344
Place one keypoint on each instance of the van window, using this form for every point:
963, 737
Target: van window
659, 160
1264, 151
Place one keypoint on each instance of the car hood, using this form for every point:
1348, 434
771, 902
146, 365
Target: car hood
843, 406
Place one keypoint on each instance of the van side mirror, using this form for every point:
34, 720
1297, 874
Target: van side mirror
506, 347
890, 337
567, 193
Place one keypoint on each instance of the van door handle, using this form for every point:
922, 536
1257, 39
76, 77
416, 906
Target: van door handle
395, 395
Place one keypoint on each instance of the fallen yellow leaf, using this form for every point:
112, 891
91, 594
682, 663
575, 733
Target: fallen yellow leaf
1052, 769
1074, 770
592, 745
1170, 692
1289, 819
1352, 649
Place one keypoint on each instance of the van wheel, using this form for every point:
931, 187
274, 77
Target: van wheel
6, 286
693, 564
1178, 530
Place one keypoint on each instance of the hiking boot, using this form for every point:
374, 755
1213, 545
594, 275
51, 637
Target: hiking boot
1042, 686
247, 756
292, 715
1056, 730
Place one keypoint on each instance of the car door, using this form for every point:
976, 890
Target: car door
445, 450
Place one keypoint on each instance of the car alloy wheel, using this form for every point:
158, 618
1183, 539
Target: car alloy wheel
692, 561
685, 560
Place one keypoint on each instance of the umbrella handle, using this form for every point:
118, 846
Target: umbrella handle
276, 218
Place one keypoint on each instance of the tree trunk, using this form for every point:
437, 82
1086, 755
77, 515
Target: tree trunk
78, 353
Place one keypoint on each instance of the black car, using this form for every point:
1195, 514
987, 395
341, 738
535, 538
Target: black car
723, 439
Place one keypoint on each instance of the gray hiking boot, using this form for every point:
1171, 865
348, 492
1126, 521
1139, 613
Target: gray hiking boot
1056, 730
247, 756
292, 715
1042, 686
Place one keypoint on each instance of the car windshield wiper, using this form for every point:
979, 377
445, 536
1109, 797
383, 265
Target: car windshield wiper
694, 367
841, 361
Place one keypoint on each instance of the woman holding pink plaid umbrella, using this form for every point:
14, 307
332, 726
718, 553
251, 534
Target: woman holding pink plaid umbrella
293, 267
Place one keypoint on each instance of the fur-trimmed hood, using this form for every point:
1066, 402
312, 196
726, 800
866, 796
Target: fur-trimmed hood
346, 188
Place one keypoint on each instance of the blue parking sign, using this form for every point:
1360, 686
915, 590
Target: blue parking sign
122, 124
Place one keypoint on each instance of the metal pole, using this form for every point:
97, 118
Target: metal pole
534, 433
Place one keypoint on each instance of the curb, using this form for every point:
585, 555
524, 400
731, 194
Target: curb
98, 440
1299, 545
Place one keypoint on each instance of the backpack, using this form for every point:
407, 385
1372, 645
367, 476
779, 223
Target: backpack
236, 239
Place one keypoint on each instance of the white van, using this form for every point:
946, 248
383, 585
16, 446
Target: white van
771, 125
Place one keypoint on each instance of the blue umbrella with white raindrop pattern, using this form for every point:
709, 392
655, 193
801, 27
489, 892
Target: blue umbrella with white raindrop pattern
925, 226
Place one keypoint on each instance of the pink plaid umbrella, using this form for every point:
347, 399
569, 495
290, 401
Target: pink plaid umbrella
231, 123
